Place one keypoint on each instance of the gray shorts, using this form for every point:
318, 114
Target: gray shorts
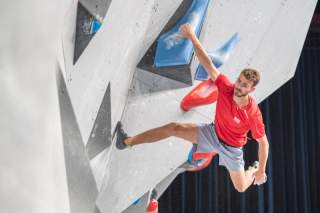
230, 157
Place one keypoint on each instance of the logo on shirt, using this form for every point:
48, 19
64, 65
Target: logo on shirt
237, 120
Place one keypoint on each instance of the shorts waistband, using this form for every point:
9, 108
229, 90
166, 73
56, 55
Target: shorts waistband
221, 141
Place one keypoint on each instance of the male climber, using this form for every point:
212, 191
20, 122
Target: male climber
236, 114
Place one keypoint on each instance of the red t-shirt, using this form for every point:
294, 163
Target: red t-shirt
232, 122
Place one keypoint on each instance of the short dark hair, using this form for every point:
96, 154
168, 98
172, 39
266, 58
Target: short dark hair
251, 75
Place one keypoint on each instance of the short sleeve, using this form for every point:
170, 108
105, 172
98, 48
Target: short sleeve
257, 126
223, 83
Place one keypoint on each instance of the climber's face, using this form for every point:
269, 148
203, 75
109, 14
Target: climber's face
243, 87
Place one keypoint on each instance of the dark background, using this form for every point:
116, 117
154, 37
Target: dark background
292, 119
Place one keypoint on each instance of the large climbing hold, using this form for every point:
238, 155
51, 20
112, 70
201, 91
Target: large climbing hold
218, 57
153, 206
198, 160
172, 49
205, 93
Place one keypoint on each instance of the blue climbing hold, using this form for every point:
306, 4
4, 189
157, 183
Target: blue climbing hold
218, 57
95, 26
191, 161
136, 202
172, 50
